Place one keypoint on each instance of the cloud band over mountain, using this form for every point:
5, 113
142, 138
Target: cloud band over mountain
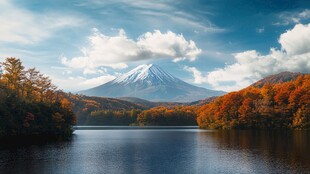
115, 51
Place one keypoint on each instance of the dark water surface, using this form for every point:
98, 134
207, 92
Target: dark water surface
163, 151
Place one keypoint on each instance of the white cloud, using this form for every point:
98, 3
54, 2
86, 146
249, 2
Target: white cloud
296, 41
89, 83
116, 51
251, 66
199, 78
260, 30
25, 27
79, 83
287, 18
168, 44
305, 14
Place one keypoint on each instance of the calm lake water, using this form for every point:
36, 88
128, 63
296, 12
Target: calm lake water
163, 151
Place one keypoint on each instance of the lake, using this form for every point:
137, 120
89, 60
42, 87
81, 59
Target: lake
171, 150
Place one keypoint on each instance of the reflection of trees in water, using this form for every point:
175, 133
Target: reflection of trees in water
34, 155
291, 147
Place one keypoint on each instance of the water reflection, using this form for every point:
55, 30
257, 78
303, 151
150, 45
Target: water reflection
136, 151
36, 157
163, 151
261, 151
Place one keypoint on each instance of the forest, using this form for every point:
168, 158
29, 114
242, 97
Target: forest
158, 116
109, 111
168, 116
102, 111
91, 110
30, 104
278, 101
280, 105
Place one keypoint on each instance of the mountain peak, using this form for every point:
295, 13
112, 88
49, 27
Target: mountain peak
149, 73
144, 66
151, 82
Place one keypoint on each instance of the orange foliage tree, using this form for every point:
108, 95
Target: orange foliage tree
283, 105
30, 104
168, 116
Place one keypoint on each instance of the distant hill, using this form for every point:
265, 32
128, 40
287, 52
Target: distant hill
150, 104
152, 83
277, 78
139, 101
272, 79
100, 103
83, 106
204, 101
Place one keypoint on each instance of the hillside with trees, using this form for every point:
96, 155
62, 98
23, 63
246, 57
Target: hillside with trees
278, 105
203, 102
87, 109
113, 117
151, 104
168, 116
111, 111
30, 104
276, 78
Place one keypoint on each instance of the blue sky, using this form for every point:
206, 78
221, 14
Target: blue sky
217, 44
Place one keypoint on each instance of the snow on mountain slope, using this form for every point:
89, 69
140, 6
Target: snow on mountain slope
152, 83
151, 74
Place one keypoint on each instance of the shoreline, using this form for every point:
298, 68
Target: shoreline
131, 127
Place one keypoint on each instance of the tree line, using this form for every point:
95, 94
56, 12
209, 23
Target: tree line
86, 107
113, 117
158, 116
168, 116
30, 104
283, 105
280, 105
111, 111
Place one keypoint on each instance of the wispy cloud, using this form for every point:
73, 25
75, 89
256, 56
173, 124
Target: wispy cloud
97, 81
22, 26
163, 12
260, 30
286, 18
77, 83
183, 19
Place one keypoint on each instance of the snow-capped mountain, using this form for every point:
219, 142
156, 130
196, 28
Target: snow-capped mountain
152, 83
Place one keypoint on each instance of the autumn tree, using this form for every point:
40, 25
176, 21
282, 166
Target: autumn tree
282, 105
30, 104
31, 77
13, 73
168, 116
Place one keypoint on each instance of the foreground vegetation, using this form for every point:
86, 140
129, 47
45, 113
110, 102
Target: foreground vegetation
282, 105
30, 105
